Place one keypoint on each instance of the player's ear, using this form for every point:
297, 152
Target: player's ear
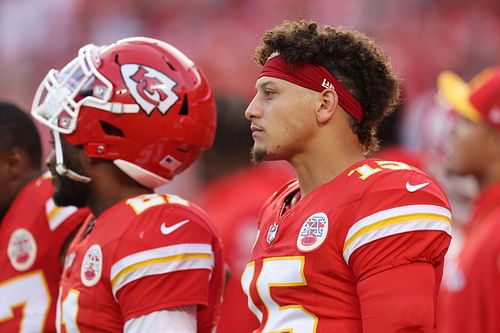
328, 104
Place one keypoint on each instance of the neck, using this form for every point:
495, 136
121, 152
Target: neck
323, 162
110, 186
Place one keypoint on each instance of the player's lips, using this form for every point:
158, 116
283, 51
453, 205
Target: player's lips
256, 129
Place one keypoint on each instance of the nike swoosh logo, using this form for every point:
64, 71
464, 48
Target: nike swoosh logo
168, 230
414, 188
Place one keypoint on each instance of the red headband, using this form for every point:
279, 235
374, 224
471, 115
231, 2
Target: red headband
314, 77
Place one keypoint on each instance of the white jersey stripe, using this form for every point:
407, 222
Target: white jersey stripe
159, 261
56, 214
394, 221
394, 229
159, 252
394, 212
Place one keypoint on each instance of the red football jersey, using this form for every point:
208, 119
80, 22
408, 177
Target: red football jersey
145, 254
32, 235
234, 203
308, 259
470, 297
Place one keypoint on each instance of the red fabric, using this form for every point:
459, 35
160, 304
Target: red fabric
317, 289
408, 305
234, 203
470, 297
313, 77
485, 98
26, 291
122, 232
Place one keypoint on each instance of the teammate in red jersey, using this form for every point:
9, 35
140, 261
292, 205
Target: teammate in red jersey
355, 244
126, 118
470, 298
33, 230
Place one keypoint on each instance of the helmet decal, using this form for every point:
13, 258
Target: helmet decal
150, 88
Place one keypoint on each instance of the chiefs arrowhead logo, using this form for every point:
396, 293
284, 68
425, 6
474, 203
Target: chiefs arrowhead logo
151, 89
91, 269
21, 249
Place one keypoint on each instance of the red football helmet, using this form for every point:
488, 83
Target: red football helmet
139, 102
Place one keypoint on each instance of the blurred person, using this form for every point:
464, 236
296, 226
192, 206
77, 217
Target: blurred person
433, 120
354, 244
33, 230
233, 197
470, 299
391, 147
126, 118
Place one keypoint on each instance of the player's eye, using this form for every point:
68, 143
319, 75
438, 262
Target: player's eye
268, 92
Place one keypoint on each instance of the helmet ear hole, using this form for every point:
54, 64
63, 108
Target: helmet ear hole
169, 64
111, 129
184, 108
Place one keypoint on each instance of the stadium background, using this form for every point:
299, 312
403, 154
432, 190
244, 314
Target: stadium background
423, 37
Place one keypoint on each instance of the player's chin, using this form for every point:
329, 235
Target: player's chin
70, 193
257, 154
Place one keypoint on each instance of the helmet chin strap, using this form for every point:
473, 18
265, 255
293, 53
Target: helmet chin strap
61, 168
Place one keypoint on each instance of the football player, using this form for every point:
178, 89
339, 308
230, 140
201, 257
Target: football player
34, 231
126, 118
354, 244
470, 299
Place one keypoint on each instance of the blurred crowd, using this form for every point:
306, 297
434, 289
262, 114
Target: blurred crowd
423, 37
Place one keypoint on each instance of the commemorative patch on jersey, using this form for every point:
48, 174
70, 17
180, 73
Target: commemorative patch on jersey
313, 232
91, 269
21, 249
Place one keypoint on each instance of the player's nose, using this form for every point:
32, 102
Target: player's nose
253, 109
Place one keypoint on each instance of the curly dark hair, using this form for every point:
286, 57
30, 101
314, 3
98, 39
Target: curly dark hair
351, 57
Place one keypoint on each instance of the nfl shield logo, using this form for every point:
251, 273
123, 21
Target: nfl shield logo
271, 235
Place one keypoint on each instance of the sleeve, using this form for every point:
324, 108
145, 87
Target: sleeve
397, 225
406, 305
181, 319
396, 250
165, 260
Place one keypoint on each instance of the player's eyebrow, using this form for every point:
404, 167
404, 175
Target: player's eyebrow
264, 83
